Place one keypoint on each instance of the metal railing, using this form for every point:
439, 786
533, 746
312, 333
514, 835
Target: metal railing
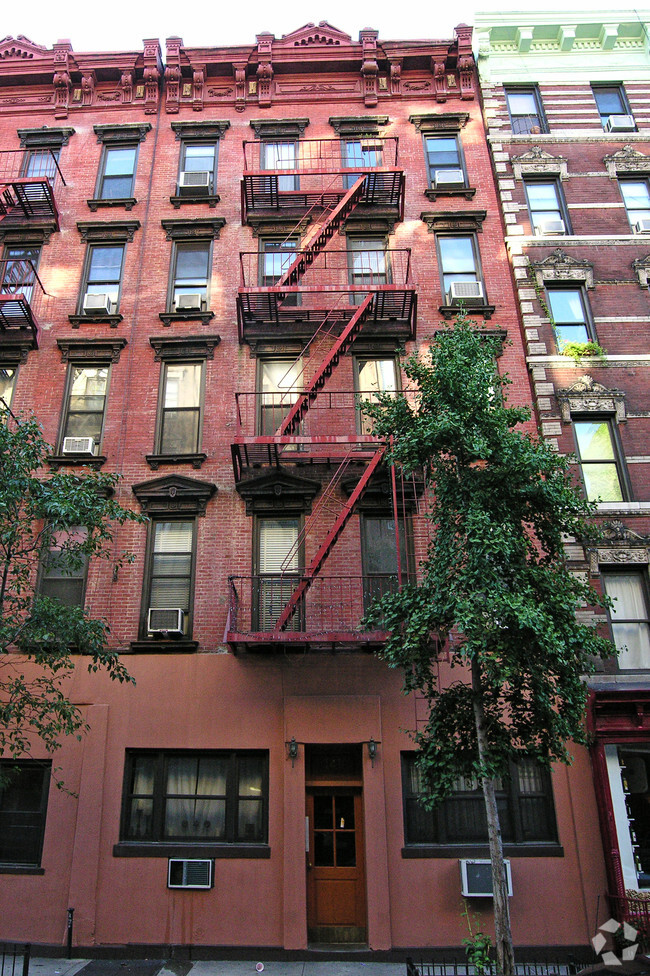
14, 958
20, 164
636, 912
344, 270
21, 292
454, 967
356, 154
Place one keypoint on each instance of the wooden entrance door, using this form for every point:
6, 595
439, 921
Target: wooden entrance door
336, 882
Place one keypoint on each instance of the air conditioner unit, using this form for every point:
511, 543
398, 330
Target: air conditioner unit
97, 303
550, 228
165, 620
189, 302
642, 226
79, 445
190, 873
195, 182
449, 177
467, 292
476, 878
620, 123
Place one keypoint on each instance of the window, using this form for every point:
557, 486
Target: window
192, 263
365, 152
281, 155
170, 578
101, 289
611, 101
546, 207
117, 173
199, 161
524, 801
85, 406
379, 556
18, 270
277, 563
636, 196
525, 110
461, 279
368, 263
629, 617
569, 314
64, 571
444, 161
41, 162
373, 376
195, 797
599, 461
24, 789
180, 408
8, 376
276, 257
279, 382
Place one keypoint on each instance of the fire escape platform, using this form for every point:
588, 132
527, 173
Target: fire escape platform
17, 321
28, 200
317, 642
250, 454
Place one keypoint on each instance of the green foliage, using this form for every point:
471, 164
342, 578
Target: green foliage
495, 588
579, 350
478, 945
38, 511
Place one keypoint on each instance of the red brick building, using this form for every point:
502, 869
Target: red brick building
566, 106
205, 264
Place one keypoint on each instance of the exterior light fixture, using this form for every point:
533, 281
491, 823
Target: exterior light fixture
372, 751
292, 750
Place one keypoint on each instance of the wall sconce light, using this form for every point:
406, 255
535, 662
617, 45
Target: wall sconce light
292, 750
372, 751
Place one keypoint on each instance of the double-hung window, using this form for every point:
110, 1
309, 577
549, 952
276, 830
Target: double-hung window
191, 268
181, 400
373, 376
8, 376
117, 173
275, 258
64, 568
636, 197
368, 264
206, 797
363, 152
101, 288
41, 162
524, 800
613, 108
279, 385
546, 207
277, 571
18, 270
198, 168
281, 155
461, 277
444, 161
381, 540
599, 459
525, 110
170, 579
569, 314
85, 406
24, 787
629, 617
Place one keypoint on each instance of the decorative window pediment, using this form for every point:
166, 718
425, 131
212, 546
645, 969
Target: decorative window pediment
313, 35
96, 350
128, 133
586, 396
440, 121
184, 347
200, 130
454, 220
627, 160
558, 266
271, 492
186, 230
642, 269
279, 128
115, 230
538, 162
354, 125
45, 138
174, 494
619, 545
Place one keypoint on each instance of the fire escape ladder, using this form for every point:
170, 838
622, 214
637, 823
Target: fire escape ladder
316, 564
297, 413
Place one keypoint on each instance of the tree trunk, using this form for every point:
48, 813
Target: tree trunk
502, 932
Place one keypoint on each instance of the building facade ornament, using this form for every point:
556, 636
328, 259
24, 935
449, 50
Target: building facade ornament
538, 162
559, 266
587, 396
626, 160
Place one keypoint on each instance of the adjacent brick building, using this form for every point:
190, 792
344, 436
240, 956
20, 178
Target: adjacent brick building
567, 108
206, 263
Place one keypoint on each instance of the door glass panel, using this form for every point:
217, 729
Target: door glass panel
323, 810
323, 849
345, 850
344, 806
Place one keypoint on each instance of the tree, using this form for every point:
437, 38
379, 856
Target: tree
58, 521
495, 588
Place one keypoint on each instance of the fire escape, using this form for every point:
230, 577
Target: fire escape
322, 296
27, 202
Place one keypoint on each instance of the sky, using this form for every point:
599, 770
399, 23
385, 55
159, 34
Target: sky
122, 24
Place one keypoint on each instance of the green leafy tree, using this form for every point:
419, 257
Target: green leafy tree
69, 518
495, 588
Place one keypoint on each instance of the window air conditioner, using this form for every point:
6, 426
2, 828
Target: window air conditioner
79, 445
449, 177
97, 303
165, 620
467, 292
550, 228
476, 878
195, 182
189, 302
189, 873
620, 123
642, 226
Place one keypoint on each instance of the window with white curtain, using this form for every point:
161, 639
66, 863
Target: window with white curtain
193, 797
373, 376
629, 618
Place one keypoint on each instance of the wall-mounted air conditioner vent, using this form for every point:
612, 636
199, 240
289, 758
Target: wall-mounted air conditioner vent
97, 303
550, 228
78, 445
195, 182
189, 302
476, 878
449, 177
467, 292
189, 873
165, 620
642, 226
620, 123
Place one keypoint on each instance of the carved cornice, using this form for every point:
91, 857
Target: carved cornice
620, 545
174, 494
350, 125
454, 220
125, 133
201, 228
280, 128
91, 350
587, 396
558, 266
642, 268
210, 131
184, 347
46, 137
16, 351
626, 160
278, 492
117, 230
538, 162
440, 121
